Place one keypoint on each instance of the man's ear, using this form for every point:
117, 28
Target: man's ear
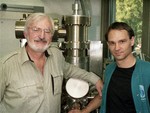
25, 34
107, 43
132, 41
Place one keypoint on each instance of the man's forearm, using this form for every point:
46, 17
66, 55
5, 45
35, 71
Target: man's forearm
93, 104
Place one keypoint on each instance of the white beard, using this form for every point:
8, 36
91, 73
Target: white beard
38, 49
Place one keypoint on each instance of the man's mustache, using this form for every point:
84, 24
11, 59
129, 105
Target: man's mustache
41, 40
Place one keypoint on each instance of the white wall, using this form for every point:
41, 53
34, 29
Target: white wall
56, 8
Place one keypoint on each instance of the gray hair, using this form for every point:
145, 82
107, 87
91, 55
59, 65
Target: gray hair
35, 17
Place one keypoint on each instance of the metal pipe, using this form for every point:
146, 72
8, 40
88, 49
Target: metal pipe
21, 8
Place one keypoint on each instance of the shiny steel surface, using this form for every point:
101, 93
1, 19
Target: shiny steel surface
76, 41
19, 28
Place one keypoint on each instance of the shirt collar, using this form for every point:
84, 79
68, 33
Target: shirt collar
24, 57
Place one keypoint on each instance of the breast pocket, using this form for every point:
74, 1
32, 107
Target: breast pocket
57, 84
25, 90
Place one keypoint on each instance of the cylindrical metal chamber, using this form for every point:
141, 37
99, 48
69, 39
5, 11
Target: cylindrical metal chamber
76, 41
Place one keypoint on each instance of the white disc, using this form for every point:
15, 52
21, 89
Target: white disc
77, 88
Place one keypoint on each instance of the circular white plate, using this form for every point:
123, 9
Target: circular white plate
77, 88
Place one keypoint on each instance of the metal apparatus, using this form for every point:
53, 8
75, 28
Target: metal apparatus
76, 41
78, 50
72, 38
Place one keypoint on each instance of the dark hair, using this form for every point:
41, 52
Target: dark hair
120, 26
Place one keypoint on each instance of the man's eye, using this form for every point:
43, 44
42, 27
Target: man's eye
123, 41
36, 29
47, 31
111, 43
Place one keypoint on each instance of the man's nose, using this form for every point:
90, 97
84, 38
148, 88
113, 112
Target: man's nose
42, 34
117, 46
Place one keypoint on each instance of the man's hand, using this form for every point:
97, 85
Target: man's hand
92, 105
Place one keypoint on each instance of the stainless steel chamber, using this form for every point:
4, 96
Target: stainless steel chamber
76, 41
